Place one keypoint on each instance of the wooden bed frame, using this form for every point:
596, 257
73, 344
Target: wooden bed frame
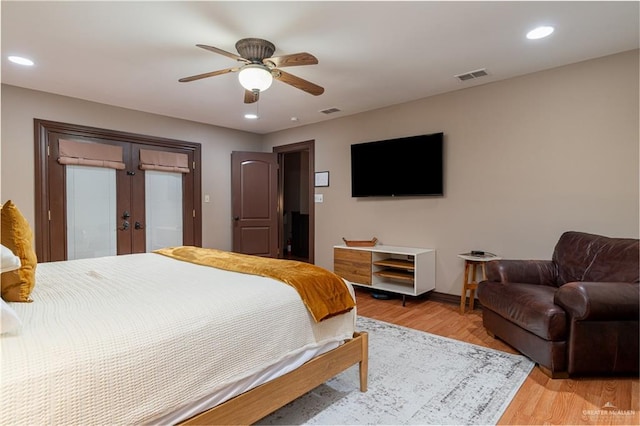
257, 403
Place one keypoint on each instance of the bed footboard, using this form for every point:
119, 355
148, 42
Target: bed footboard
263, 400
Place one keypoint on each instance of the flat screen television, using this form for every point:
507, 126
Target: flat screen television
410, 166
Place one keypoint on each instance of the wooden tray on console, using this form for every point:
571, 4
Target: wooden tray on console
360, 243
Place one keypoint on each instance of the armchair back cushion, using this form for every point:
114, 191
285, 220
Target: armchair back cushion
587, 257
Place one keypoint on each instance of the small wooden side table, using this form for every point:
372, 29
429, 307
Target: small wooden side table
470, 278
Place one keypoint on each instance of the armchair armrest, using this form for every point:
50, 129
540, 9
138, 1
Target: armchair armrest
598, 301
542, 272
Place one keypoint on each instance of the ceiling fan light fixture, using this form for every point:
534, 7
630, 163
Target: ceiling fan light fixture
255, 77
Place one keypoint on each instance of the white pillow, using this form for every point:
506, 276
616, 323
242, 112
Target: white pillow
9, 261
9, 321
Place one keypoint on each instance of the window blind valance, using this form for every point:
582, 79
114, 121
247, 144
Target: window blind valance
164, 161
90, 154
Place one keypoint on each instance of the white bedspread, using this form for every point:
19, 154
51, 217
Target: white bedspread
128, 339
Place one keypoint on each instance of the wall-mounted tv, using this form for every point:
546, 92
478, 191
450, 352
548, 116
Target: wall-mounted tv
410, 166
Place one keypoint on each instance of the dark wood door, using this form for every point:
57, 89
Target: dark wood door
254, 194
136, 193
128, 183
51, 196
130, 190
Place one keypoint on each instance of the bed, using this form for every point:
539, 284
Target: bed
151, 339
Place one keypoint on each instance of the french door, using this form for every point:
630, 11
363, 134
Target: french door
102, 193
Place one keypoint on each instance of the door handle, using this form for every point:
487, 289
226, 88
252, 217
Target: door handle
138, 225
125, 225
126, 215
236, 218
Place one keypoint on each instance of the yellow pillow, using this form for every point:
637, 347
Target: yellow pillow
16, 235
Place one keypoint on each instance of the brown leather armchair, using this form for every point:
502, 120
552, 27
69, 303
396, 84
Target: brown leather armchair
576, 314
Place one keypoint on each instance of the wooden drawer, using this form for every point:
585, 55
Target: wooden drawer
353, 265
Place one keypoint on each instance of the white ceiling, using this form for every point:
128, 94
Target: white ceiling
371, 54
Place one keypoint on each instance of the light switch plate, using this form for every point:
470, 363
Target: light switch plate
319, 198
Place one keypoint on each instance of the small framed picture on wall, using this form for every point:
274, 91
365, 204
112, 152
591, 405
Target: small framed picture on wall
322, 179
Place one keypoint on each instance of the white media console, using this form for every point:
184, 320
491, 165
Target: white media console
403, 270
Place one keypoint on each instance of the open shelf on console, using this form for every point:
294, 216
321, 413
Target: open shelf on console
396, 263
402, 270
395, 274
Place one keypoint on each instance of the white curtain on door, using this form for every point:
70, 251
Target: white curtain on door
163, 206
91, 212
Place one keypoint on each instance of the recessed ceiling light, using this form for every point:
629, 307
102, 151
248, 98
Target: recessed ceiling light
20, 60
251, 116
540, 32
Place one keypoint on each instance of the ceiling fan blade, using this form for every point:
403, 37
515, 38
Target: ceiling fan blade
207, 74
222, 52
298, 82
251, 97
292, 60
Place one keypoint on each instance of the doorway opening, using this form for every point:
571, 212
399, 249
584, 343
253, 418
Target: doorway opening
296, 191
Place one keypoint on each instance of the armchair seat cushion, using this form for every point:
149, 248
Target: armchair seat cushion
530, 306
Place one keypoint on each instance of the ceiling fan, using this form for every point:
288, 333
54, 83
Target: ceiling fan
260, 68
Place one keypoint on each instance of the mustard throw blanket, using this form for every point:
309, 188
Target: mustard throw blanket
323, 292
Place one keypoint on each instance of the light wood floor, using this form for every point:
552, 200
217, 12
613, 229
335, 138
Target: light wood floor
540, 400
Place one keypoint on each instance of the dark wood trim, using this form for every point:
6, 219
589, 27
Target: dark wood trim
41, 192
114, 135
308, 146
42, 131
451, 299
444, 298
434, 296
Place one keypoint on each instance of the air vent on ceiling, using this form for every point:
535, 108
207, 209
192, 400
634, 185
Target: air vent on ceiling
329, 110
472, 74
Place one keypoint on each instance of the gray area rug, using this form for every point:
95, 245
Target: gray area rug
414, 378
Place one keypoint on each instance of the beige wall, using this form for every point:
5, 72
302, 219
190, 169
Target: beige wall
525, 160
21, 106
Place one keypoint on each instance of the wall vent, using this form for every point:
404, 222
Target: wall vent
472, 74
330, 110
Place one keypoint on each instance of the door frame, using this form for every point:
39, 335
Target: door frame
42, 130
309, 147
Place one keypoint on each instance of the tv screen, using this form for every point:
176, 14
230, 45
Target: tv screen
410, 166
